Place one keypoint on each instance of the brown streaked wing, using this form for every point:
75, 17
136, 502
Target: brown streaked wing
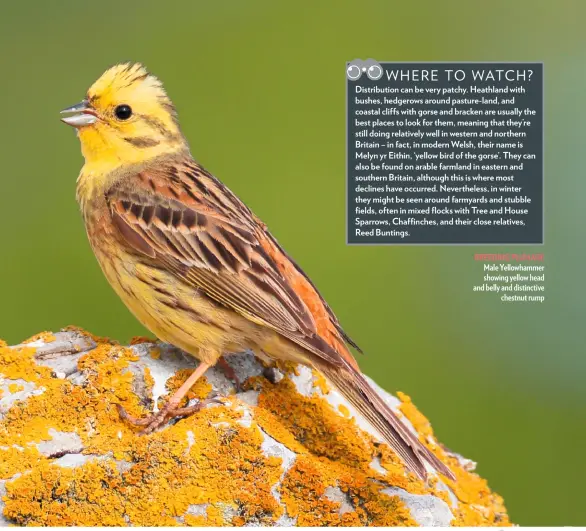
207, 237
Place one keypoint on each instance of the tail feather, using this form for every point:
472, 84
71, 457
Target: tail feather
356, 389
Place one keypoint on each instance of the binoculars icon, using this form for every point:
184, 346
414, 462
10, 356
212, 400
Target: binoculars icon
370, 67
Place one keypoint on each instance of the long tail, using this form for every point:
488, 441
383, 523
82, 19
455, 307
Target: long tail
356, 389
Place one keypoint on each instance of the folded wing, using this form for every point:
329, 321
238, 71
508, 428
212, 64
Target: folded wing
181, 216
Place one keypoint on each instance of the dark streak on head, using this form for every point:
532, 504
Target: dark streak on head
157, 124
136, 79
171, 110
142, 141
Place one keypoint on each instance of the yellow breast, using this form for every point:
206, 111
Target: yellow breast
176, 312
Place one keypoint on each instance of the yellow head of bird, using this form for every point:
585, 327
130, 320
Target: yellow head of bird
126, 118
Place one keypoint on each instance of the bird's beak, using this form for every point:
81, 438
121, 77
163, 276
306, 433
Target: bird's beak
81, 114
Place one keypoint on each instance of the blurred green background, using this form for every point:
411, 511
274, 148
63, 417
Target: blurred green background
260, 88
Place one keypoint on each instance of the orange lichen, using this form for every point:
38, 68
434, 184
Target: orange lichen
46, 337
15, 459
213, 517
200, 390
309, 419
166, 468
419, 421
344, 410
149, 380
15, 388
210, 460
18, 363
81, 331
478, 505
304, 494
320, 382
137, 340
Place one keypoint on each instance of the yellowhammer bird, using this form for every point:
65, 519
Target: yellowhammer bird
193, 263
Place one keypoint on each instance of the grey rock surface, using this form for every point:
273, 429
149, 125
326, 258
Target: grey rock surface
428, 511
63, 354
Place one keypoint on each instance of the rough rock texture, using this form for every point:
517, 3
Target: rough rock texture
284, 450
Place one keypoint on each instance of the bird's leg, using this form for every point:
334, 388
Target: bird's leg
171, 408
229, 372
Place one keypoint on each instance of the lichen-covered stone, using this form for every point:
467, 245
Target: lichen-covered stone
284, 450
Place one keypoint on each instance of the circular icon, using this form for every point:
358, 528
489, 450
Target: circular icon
353, 72
374, 72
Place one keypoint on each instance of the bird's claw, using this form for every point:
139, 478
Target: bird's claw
230, 373
169, 411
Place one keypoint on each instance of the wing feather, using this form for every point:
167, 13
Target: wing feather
181, 219
186, 219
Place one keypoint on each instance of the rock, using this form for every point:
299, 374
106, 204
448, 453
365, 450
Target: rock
284, 450
426, 510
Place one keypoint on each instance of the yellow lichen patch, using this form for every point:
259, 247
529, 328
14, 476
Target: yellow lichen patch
304, 493
137, 340
397, 475
223, 466
14, 459
344, 410
438, 492
86, 410
273, 427
54, 496
97, 339
211, 460
15, 388
149, 381
19, 363
478, 505
308, 421
213, 518
155, 353
311, 422
286, 367
45, 337
199, 391
320, 382
419, 421
3, 343
220, 463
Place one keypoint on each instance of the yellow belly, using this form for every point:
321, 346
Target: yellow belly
177, 313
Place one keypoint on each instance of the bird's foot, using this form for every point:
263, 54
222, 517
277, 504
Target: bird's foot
230, 373
169, 411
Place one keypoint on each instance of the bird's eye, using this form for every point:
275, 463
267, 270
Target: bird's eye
123, 112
